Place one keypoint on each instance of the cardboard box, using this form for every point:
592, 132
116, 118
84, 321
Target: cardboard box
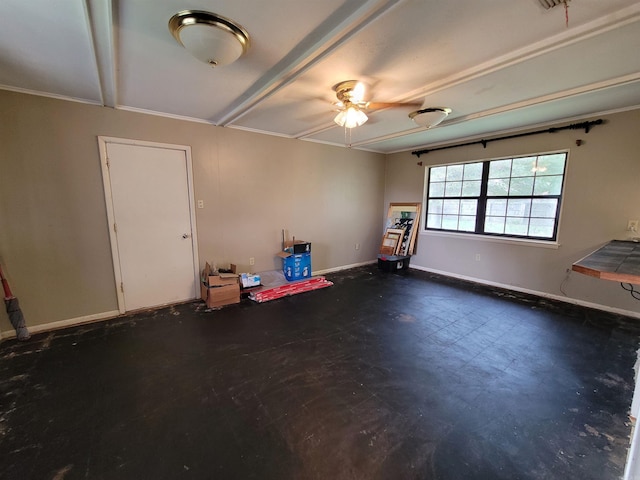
297, 267
219, 296
248, 280
217, 290
298, 246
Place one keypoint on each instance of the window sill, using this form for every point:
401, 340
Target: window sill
488, 238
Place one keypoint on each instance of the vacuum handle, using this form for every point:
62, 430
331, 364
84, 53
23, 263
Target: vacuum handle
5, 285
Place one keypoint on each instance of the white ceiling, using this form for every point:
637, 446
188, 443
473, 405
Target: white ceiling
500, 65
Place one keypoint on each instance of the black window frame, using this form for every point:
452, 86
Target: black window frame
483, 197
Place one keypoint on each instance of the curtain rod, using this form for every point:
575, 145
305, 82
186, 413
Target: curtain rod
574, 126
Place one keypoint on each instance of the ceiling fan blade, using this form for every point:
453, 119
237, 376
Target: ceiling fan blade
381, 105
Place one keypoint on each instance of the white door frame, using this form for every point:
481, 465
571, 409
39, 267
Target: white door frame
106, 180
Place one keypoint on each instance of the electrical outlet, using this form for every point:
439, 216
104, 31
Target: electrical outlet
200, 203
632, 226
357, 246
477, 257
252, 261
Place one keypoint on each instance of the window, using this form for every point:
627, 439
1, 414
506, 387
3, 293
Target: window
513, 197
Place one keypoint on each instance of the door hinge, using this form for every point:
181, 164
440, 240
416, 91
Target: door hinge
122, 287
115, 227
108, 163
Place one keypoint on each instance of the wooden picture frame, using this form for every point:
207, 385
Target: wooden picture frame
404, 216
390, 241
400, 233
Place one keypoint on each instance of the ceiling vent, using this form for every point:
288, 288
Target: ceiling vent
552, 3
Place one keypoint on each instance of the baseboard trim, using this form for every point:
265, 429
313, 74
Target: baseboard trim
343, 267
560, 298
71, 322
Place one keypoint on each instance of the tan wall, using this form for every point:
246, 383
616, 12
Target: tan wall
602, 192
54, 241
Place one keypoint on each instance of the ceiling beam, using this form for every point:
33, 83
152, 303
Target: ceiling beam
545, 46
343, 24
100, 16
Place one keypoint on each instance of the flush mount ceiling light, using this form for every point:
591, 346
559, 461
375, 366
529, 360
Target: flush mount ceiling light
209, 37
429, 117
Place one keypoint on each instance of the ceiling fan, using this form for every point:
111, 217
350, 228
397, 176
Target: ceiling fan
351, 101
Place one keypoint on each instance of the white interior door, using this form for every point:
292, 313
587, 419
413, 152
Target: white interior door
149, 199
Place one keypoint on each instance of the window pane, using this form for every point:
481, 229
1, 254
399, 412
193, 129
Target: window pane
499, 169
450, 222
473, 171
521, 186
454, 172
468, 207
471, 188
451, 207
467, 223
542, 227
435, 206
550, 185
434, 221
518, 207
497, 207
551, 164
544, 207
436, 189
498, 187
494, 225
516, 226
523, 167
437, 174
453, 189
521, 196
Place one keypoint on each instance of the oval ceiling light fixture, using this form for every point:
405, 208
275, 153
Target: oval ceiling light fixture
430, 117
209, 37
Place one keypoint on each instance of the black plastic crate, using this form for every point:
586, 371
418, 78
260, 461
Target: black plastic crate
393, 263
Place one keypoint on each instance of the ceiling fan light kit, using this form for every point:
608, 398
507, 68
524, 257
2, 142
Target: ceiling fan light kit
209, 37
350, 95
430, 117
351, 117
350, 91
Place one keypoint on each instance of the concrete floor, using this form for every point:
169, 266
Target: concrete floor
380, 376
